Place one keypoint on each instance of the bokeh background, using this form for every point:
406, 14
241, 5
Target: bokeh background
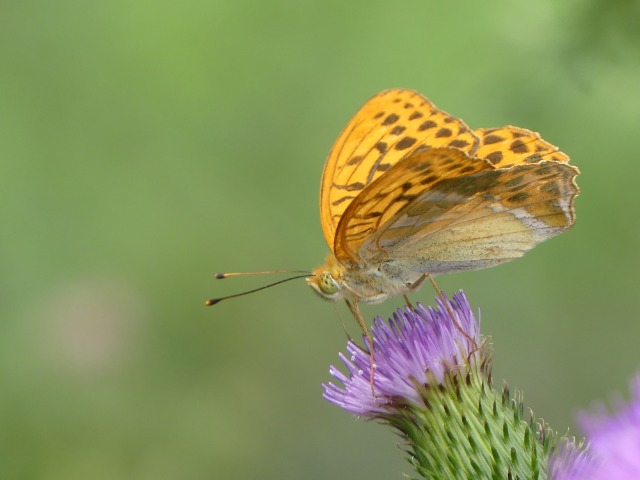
145, 146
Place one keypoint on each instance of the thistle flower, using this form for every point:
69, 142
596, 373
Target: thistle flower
432, 383
417, 347
614, 444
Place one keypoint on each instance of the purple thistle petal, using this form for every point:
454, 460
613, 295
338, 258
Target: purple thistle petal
615, 440
614, 444
412, 349
570, 462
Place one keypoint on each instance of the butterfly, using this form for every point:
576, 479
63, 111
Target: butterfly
409, 191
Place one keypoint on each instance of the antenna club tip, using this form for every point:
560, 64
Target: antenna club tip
212, 301
220, 275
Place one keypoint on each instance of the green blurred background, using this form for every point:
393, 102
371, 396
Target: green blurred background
145, 146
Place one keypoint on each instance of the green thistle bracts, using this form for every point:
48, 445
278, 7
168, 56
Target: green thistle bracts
468, 430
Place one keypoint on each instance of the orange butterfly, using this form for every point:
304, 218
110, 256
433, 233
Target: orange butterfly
410, 191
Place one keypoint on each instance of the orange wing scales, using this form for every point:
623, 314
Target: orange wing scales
381, 201
543, 191
487, 216
508, 146
387, 128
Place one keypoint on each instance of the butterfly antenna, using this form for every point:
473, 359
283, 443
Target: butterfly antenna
213, 301
220, 276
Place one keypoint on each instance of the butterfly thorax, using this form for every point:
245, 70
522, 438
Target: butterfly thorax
335, 281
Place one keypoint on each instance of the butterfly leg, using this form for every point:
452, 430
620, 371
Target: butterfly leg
353, 306
449, 311
413, 287
344, 327
408, 302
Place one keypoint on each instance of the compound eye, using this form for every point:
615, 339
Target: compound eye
327, 284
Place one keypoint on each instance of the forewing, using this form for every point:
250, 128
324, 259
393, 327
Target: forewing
387, 128
478, 220
382, 201
509, 146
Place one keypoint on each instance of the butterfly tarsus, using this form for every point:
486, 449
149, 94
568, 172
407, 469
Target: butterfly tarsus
408, 302
353, 306
447, 306
344, 327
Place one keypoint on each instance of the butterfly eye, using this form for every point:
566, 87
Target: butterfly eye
327, 284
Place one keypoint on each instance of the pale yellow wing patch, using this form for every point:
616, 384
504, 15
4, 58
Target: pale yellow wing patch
381, 201
508, 146
477, 220
388, 127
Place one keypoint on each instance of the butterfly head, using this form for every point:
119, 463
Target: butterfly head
326, 280
325, 285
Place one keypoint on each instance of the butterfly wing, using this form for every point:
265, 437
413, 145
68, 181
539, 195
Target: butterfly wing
382, 202
508, 146
477, 220
387, 128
